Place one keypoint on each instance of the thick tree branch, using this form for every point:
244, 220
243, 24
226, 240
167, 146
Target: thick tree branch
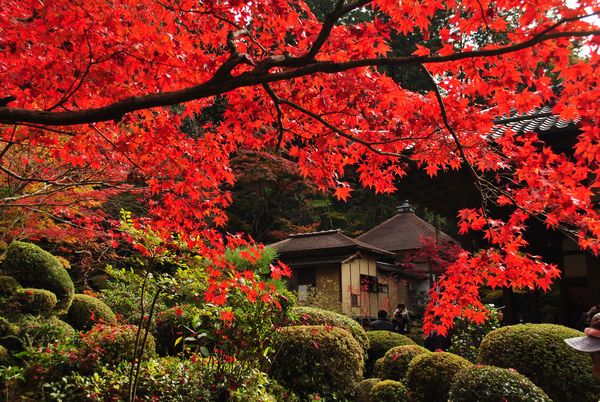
222, 82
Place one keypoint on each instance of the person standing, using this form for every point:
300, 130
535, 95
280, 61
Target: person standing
590, 343
382, 323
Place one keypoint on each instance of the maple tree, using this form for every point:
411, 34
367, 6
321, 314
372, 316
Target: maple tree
94, 96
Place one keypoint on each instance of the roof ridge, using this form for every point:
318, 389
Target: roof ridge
321, 232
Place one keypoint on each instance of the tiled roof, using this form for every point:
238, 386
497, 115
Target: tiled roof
541, 119
329, 239
402, 231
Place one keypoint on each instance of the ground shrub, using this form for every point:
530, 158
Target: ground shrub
3, 354
175, 323
33, 301
37, 331
539, 352
382, 341
494, 384
8, 286
362, 392
110, 345
394, 364
33, 267
430, 375
86, 311
317, 316
318, 359
389, 390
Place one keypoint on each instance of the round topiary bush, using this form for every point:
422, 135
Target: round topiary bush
382, 341
317, 316
33, 267
538, 351
8, 286
494, 384
111, 345
34, 301
430, 375
86, 311
389, 390
171, 324
394, 363
318, 359
362, 392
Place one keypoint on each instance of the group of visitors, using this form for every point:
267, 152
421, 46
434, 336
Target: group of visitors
400, 322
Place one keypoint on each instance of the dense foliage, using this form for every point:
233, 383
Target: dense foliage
430, 375
394, 364
539, 352
389, 390
493, 384
33, 267
318, 359
85, 311
271, 77
382, 341
317, 316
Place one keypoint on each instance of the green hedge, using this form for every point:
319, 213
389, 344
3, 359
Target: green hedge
318, 359
86, 311
388, 391
394, 363
382, 341
8, 286
33, 267
317, 316
362, 392
34, 301
494, 384
539, 352
430, 375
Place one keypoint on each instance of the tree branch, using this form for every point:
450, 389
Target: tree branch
223, 82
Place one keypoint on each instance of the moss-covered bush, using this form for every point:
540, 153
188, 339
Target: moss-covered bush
318, 359
3, 354
389, 390
494, 384
382, 341
362, 392
430, 375
317, 316
111, 345
86, 311
37, 331
171, 324
34, 301
539, 352
33, 267
394, 363
8, 286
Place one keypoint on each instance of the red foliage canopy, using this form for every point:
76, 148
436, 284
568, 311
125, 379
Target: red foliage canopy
92, 92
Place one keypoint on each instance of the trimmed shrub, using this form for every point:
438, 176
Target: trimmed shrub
539, 352
111, 345
41, 332
394, 363
318, 359
494, 384
8, 286
3, 354
430, 375
33, 267
86, 311
34, 301
171, 324
317, 316
362, 392
9, 334
389, 390
382, 341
